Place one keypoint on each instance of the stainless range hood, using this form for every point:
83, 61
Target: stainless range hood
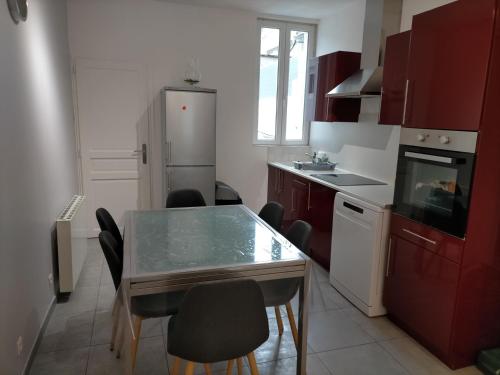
382, 18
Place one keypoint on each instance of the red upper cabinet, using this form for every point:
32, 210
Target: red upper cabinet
394, 81
448, 64
333, 69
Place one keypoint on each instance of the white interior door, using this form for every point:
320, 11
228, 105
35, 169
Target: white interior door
113, 124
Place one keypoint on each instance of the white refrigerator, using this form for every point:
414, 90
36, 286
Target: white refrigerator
188, 124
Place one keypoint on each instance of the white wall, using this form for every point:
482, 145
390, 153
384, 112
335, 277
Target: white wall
412, 7
37, 167
161, 37
342, 30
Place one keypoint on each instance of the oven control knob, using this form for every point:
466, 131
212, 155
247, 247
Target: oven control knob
444, 139
421, 137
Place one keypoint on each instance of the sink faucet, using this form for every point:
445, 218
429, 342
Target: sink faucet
313, 157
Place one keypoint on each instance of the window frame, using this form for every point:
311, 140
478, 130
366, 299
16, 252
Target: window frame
285, 28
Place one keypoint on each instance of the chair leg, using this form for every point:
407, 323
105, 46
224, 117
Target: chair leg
189, 368
119, 338
116, 323
208, 370
239, 363
230, 364
253, 365
135, 341
293, 326
277, 312
177, 366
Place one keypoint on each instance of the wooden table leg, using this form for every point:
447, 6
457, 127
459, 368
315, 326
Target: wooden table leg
253, 364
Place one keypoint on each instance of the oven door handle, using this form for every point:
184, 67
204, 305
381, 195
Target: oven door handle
439, 159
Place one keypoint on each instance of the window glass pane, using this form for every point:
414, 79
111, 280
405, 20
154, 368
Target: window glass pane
268, 83
297, 70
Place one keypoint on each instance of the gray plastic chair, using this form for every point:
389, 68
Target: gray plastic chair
185, 198
272, 213
142, 307
280, 292
218, 322
106, 222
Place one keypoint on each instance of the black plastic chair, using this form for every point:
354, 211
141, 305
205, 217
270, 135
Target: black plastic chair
107, 223
218, 322
281, 292
185, 198
272, 213
143, 307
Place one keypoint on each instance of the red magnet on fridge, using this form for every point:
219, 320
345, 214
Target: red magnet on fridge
184, 107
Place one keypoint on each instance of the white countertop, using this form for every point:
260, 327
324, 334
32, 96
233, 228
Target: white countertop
378, 195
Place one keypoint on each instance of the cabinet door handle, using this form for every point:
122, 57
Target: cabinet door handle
293, 200
282, 188
388, 265
405, 103
419, 236
276, 177
308, 196
300, 182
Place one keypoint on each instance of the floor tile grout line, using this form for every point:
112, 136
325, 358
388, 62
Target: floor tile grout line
396, 359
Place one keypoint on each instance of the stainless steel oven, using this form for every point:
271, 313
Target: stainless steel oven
434, 177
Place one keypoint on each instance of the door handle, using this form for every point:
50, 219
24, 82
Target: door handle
143, 152
419, 236
169, 151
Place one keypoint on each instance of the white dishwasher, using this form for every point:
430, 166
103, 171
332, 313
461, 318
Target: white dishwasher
359, 242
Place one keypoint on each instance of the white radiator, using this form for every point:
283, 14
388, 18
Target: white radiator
71, 242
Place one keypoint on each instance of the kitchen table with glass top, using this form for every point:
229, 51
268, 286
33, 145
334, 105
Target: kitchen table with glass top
173, 249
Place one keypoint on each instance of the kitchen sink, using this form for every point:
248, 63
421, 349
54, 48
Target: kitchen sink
310, 166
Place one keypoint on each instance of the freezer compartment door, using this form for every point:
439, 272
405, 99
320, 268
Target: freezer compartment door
190, 128
200, 178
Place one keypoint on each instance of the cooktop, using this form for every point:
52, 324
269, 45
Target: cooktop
347, 179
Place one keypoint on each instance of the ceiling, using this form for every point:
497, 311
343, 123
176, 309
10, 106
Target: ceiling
315, 9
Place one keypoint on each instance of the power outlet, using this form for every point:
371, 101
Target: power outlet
19, 344
51, 279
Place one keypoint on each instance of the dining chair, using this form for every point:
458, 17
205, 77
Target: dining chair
142, 307
272, 213
280, 292
218, 322
106, 222
185, 198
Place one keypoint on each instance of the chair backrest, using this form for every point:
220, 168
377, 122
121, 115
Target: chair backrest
185, 198
299, 234
107, 223
115, 261
272, 213
219, 321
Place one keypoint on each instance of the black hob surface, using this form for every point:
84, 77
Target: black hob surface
347, 179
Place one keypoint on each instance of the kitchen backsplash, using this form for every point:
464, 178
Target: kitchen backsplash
368, 149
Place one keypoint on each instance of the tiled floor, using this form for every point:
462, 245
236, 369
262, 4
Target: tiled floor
341, 339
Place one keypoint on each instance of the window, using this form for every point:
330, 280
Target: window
284, 51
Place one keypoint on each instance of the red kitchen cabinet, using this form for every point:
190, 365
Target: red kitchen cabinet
448, 65
320, 205
394, 81
420, 292
333, 69
305, 200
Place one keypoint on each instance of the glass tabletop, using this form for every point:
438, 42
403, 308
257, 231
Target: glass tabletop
170, 240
